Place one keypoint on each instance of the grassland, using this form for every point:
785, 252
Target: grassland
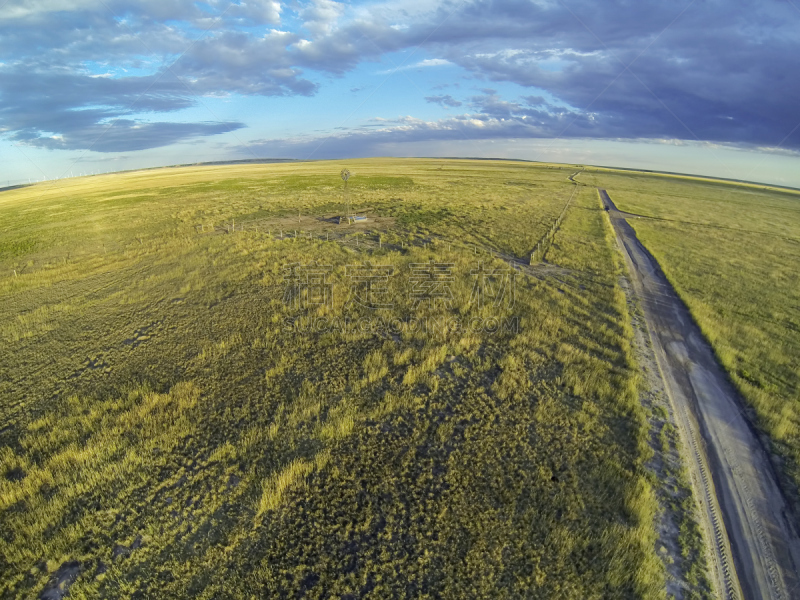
167, 429
732, 252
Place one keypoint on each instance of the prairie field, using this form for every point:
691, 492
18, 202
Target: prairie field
210, 388
732, 252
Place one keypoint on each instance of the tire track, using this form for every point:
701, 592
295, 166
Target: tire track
766, 548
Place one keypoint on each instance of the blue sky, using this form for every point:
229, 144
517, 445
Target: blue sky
699, 86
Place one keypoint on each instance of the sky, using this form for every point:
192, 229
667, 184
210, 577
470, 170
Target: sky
708, 87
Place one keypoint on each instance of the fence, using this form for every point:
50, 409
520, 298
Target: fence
368, 239
546, 240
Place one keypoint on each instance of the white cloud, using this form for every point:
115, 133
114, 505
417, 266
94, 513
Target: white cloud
322, 16
428, 62
20, 9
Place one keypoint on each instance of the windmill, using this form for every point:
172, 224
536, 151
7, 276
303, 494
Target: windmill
349, 217
345, 176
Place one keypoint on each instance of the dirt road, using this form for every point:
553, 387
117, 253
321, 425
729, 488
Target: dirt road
753, 544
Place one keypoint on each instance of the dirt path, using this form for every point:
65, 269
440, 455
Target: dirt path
753, 544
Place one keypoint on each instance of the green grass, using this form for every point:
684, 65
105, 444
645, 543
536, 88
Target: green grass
732, 252
163, 425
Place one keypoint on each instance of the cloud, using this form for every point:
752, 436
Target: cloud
367, 141
428, 62
320, 16
492, 119
67, 111
237, 63
127, 135
534, 100
685, 81
432, 62
615, 69
446, 100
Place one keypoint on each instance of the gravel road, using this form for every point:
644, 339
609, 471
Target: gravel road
753, 544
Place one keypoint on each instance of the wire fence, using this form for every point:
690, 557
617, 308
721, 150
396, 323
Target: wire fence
543, 245
370, 240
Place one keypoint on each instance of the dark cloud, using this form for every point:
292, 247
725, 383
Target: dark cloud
126, 135
704, 77
62, 110
446, 100
534, 100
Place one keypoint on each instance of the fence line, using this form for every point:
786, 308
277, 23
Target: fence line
547, 239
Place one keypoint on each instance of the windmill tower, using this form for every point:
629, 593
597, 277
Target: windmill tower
347, 216
345, 177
